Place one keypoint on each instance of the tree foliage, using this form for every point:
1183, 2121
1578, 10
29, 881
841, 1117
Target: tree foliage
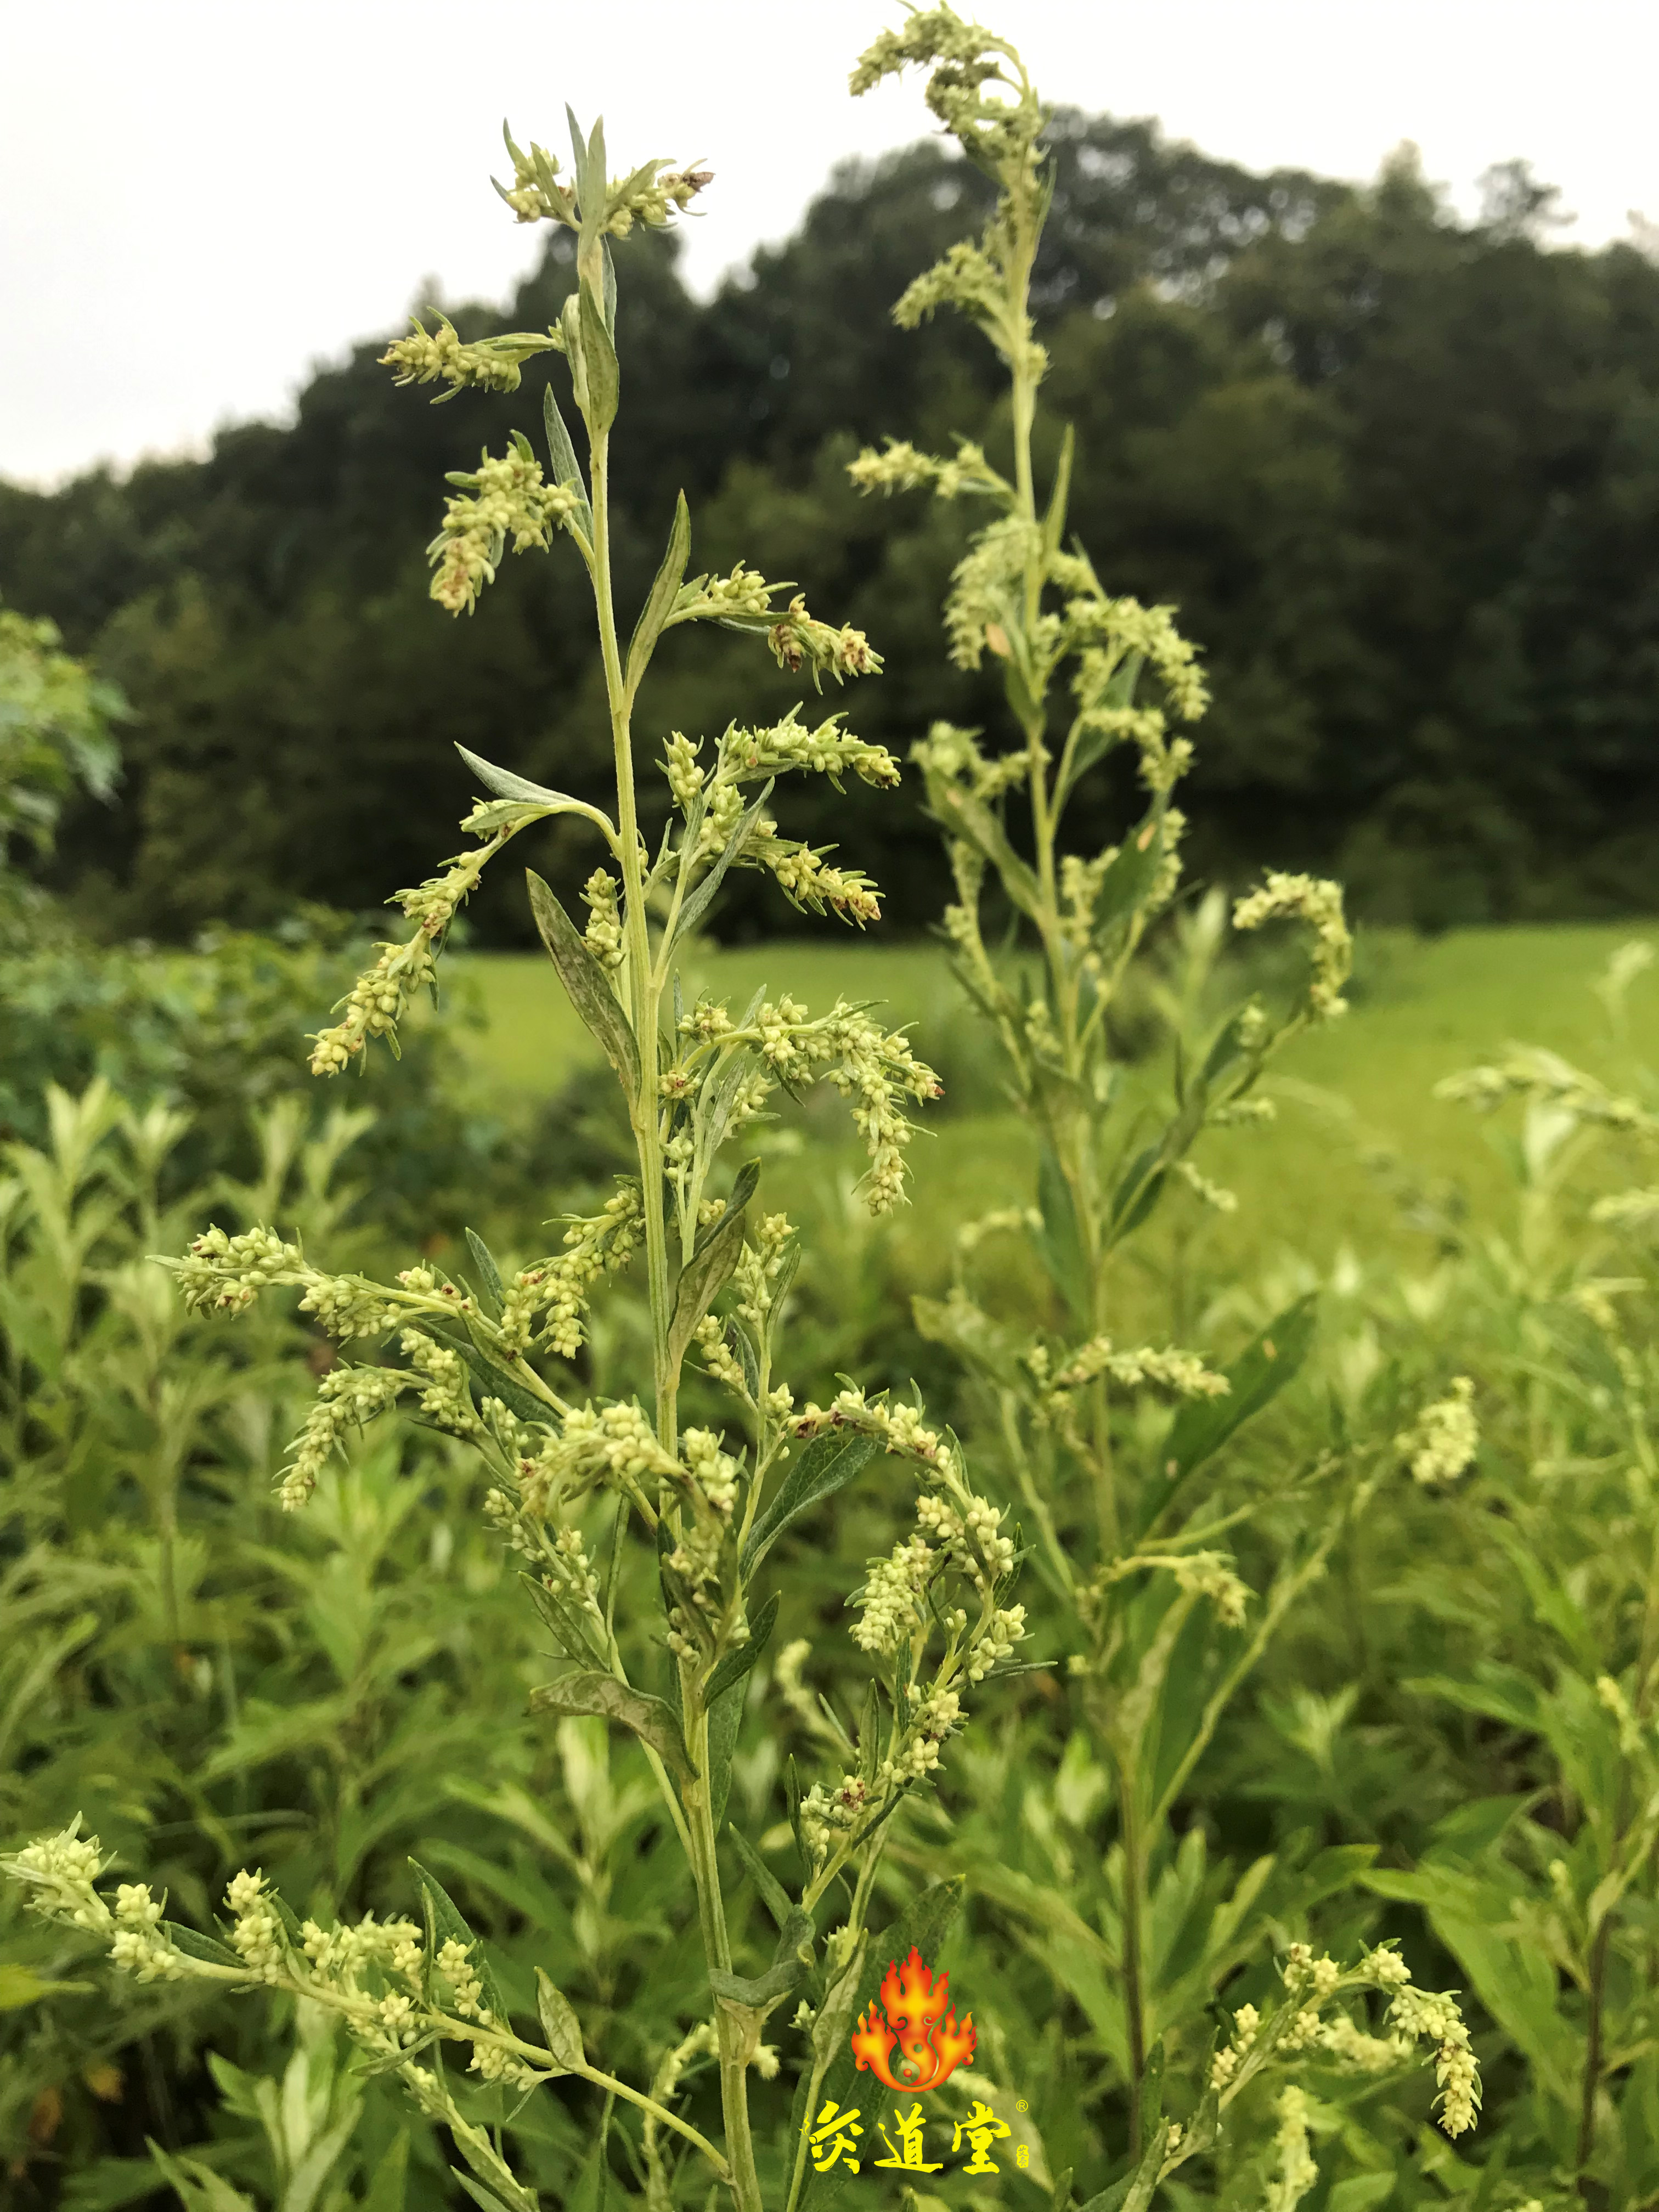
1400, 474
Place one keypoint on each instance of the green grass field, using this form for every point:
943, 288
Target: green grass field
1357, 1115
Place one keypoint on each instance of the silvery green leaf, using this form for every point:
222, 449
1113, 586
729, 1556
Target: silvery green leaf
503, 782
709, 1267
828, 1464
586, 984
567, 469
603, 376
736, 1664
649, 1718
210, 1952
445, 1921
490, 1275
493, 1380
695, 907
773, 1893
656, 612
559, 2025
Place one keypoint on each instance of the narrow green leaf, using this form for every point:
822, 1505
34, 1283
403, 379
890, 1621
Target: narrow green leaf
1126, 884
724, 1697
790, 1967
736, 1664
696, 905
485, 2199
207, 1948
971, 818
1060, 1240
561, 451
1256, 1377
1094, 744
600, 370
1053, 522
494, 1381
649, 1718
559, 2025
505, 785
446, 1923
387, 2189
1138, 1190
587, 985
579, 161
773, 1896
22, 1985
709, 1268
490, 1275
725, 1718
660, 600
610, 284
828, 1464
200, 2188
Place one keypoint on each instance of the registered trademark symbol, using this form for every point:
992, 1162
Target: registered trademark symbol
1020, 2105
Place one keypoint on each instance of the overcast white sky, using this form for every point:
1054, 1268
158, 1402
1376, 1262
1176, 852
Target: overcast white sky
200, 198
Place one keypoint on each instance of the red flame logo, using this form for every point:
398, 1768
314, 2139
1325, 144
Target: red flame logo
930, 2045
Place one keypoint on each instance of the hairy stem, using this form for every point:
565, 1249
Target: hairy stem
1598, 1976
643, 986
1134, 1969
717, 1948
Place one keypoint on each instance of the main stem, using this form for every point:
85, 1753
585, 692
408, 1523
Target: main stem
1074, 1143
1134, 1971
717, 1948
1592, 2083
644, 991
643, 1109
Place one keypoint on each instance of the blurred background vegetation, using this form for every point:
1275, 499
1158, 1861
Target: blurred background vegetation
1400, 474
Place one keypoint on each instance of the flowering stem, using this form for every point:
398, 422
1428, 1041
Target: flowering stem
1598, 1975
717, 1949
643, 985
1134, 1992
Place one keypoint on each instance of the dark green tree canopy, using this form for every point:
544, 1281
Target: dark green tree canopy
1401, 475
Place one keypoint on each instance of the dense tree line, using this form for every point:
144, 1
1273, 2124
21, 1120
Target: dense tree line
1401, 475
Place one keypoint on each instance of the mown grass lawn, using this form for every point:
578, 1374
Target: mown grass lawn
1357, 1125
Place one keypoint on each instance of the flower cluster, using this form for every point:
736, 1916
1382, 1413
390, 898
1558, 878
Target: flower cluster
1442, 1441
499, 500
799, 640
652, 194
1182, 1372
899, 467
376, 1002
484, 365
1414, 2015
613, 1445
873, 1066
347, 1398
806, 878
1206, 1189
1318, 904
371, 1974
985, 584
1297, 2172
828, 750
603, 933
601, 1245
1197, 1574
1545, 1079
1109, 632
226, 1273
